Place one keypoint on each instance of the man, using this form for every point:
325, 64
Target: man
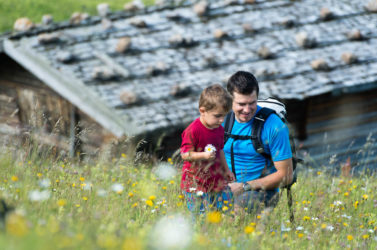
257, 177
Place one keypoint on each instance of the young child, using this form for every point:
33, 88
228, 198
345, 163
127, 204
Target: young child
205, 173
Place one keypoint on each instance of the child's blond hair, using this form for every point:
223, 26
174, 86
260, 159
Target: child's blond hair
215, 96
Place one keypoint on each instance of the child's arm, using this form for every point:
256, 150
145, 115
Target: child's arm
229, 174
196, 156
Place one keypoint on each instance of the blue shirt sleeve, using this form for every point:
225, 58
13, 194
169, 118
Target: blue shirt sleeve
275, 137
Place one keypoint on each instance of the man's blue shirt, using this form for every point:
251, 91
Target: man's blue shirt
248, 163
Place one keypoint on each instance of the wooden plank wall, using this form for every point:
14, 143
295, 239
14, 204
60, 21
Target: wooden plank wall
27, 104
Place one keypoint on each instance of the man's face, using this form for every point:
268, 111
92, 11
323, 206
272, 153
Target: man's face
212, 118
244, 106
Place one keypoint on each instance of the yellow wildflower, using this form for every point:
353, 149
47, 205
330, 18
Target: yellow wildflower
249, 229
135, 204
82, 179
300, 235
152, 197
181, 197
149, 203
85, 198
57, 181
73, 185
253, 224
170, 160
123, 155
346, 194
78, 205
225, 208
61, 202
14, 178
163, 188
349, 237
345, 224
323, 226
16, 225
365, 236
319, 173
130, 194
306, 218
272, 233
259, 217
39, 174
365, 197
171, 182
214, 217
355, 204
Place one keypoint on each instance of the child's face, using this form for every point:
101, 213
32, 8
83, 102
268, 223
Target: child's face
212, 118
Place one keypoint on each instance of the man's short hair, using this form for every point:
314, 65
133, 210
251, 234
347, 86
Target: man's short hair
243, 83
215, 96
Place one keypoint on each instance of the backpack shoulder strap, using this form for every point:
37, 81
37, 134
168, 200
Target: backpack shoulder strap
228, 125
256, 132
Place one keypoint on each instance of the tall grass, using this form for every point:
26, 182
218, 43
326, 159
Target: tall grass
61, 10
120, 204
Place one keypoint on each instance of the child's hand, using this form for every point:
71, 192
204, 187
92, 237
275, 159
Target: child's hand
209, 155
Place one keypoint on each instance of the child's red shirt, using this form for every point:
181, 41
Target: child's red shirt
206, 176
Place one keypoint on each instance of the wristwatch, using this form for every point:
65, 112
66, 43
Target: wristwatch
246, 187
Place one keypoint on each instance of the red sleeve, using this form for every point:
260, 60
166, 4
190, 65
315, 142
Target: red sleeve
222, 137
188, 140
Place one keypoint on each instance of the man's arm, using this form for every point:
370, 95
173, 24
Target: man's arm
283, 176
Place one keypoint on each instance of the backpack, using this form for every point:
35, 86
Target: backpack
269, 106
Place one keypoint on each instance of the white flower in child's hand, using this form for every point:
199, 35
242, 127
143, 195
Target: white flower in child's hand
199, 193
210, 148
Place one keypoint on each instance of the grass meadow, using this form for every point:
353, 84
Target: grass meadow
120, 204
61, 10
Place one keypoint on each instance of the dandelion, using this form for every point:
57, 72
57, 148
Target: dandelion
170, 160
181, 197
163, 188
365, 197
346, 194
171, 182
323, 226
225, 208
85, 198
300, 235
272, 233
319, 173
134, 205
16, 224
130, 194
152, 197
57, 180
14, 178
61, 202
355, 204
349, 237
365, 236
39, 175
306, 218
249, 229
149, 203
82, 179
345, 224
214, 217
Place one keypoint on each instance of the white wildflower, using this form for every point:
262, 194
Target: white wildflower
37, 195
165, 171
330, 228
338, 203
118, 188
306, 209
299, 228
199, 193
172, 232
371, 231
346, 216
101, 192
314, 218
284, 229
44, 183
210, 148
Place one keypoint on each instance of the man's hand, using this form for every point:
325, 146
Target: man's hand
236, 187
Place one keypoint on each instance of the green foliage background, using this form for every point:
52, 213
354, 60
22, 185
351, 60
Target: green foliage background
10, 10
